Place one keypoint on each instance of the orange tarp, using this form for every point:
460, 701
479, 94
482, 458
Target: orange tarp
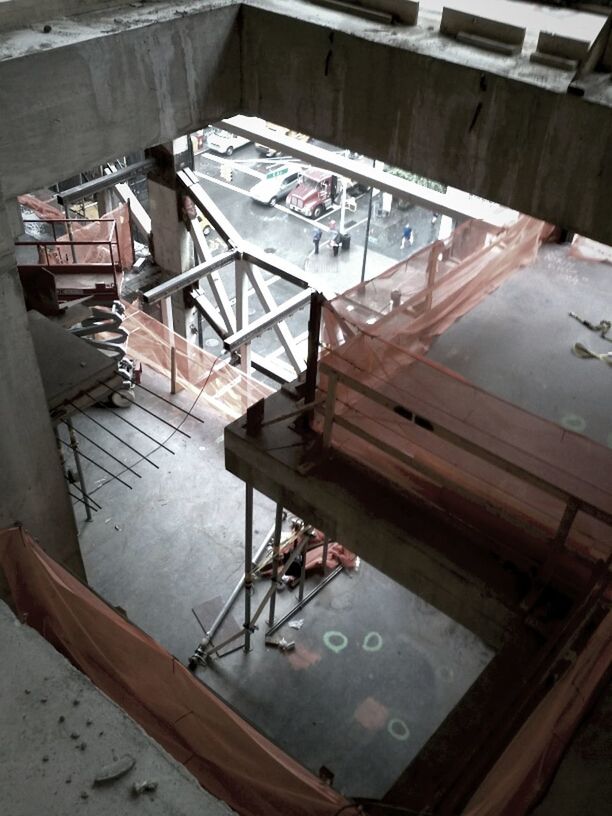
228, 756
521, 774
224, 387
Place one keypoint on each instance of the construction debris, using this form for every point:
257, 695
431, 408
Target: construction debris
282, 645
138, 788
114, 770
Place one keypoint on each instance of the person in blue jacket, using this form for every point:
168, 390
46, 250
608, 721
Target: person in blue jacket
407, 235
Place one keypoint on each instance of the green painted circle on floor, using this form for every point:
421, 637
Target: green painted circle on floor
398, 729
372, 642
335, 641
574, 422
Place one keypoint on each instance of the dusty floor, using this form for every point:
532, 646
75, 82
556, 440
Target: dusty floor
518, 342
375, 669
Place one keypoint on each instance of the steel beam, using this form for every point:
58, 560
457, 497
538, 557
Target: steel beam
90, 188
281, 329
179, 282
210, 314
272, 368
204, 202
267, 321
220, 295
279, 266
365, 173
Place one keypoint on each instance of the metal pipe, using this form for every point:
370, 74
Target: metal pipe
113, 434
278, 525
98, 465
110, 455
202, 651
78, 498
248, 564
199, 653
303, 570
148, 411
301, 604
367, 237
77, 460
325, 549
131, 424
178, 407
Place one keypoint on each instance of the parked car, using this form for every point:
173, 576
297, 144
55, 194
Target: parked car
270, 152
275, 187
221, 141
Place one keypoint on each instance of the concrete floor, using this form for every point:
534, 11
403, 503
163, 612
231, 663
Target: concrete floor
59, 732
175, 542
518, 342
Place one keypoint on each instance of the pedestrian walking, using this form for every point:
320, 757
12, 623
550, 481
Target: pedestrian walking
407, 235
316, 238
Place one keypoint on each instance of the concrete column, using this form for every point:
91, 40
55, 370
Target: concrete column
172, 245
32, 486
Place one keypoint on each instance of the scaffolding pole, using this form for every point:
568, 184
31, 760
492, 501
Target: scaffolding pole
248, 564
77, 461
278, 524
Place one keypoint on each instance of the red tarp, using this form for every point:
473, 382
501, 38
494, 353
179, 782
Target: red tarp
229, 758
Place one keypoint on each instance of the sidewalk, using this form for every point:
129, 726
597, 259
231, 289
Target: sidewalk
344, 271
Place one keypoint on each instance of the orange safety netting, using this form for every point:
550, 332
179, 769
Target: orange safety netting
421, 297
489, 464
229, 757
224, 387
102, 241
522, 773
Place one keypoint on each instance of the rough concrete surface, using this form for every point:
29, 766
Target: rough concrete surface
59, 732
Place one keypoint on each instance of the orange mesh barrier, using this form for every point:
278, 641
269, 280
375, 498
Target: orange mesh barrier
226, 388
436, 285
115, 247
523, 772
489, 464
229, 757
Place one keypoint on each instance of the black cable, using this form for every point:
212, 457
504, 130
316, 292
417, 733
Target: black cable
181, 423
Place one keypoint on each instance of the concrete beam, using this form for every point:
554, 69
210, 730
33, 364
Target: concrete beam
366, 514
500, 127
106, 83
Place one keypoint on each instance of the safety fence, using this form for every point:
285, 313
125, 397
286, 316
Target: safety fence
468, 453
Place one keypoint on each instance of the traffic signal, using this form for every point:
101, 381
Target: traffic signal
227, 172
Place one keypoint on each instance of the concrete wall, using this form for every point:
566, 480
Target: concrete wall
32, 488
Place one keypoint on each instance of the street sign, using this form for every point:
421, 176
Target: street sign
274, 173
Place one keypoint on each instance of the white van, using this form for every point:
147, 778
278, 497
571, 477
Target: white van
276, 185
223, 142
